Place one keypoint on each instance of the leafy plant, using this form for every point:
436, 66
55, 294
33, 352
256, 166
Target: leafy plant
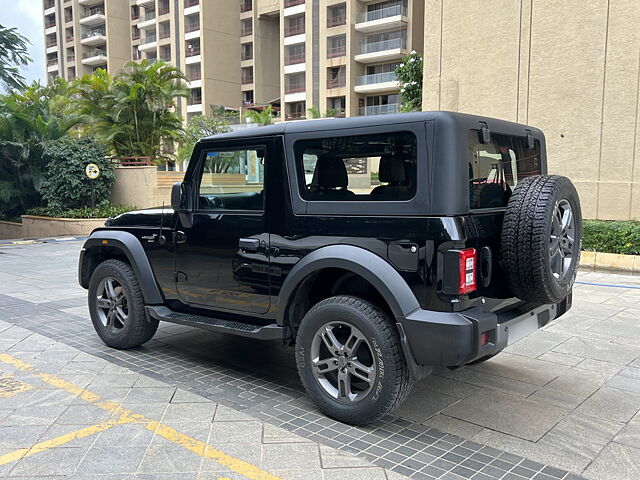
13, 54
410, 74
199, 127
314, 112
612, 236
134, 111
66, 185
333, 112
102, 210
261, 117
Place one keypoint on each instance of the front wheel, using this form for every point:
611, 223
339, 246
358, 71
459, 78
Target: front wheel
350, 360
116, 306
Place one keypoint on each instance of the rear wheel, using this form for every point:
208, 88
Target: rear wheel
116, 306
350, 360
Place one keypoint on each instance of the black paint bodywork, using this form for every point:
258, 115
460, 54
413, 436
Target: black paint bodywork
396, 246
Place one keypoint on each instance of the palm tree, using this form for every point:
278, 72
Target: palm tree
13, 54
263, 117
134, 111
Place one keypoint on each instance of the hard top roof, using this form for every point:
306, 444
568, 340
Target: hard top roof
461, 120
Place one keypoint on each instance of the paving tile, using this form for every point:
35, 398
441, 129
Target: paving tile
453, 425
273, 434
496, 382
226, 414
598, 350
184, 396
55, 461
189, 412
112, 459
371, 473
169, 459
569, 389
21, 436
332, 458
236, 432
149, 395
537, 344
447, 386
290, 456
33, 415
124, 435
615, 461
423, 404
516, 367
611, 403
83, 414
508, 414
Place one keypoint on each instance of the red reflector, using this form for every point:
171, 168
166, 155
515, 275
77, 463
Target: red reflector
467, 265
484, 338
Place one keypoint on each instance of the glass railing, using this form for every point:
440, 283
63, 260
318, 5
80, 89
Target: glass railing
380, 109
384, 45
377, 78
150, 38
147, 16
383, 13
93, 33
94, 53
87, 12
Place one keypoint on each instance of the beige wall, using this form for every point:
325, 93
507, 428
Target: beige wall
137, 186
566, 67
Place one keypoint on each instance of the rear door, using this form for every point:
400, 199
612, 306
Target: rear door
494, 171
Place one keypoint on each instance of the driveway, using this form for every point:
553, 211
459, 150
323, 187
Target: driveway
561, 403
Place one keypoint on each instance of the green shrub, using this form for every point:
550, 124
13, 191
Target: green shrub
612, 236
103, 210
66, 185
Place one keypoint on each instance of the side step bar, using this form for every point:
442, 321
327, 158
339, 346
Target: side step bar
260, 332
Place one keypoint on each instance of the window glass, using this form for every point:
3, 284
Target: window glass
378, 167
496, 167
232, 180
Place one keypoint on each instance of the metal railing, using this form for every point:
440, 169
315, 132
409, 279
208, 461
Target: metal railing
48, 4
380, 109
51, 63
247, 79
296, 29
192, 52
150, 38
93, 33
192, 27
377, 78
246, 55
191, 3
383, 45
246, 6
339, 51
50, 24
87, 12
293, 59
336, 20
339, 82
52, 43
294, 115
246, 31
294, 88
131, 161
148, 16
383, 13
194, 100
96, 52
71, 58
292, 3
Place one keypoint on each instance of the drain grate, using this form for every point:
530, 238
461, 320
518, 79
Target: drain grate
10, 386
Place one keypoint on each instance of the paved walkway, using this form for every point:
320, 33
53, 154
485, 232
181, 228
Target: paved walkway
560, 403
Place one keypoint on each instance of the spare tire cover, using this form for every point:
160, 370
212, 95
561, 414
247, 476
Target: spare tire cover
541, 239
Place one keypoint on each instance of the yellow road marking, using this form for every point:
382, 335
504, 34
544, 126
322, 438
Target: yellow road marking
10, 386
61, 440
127, 416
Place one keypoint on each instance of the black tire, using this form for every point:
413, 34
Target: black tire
138, 328
392, 379
527, 239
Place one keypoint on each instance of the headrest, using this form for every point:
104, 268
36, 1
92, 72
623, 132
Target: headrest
330, 172
391, 169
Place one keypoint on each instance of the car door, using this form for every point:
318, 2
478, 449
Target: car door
222, 254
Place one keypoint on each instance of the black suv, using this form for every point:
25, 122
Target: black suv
459, 247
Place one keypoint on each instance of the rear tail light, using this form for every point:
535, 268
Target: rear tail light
467, 264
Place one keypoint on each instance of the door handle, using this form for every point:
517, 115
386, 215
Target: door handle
249, 244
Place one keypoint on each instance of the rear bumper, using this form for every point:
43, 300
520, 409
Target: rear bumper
453, 339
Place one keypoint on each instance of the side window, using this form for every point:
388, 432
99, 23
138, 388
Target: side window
232, 180
496, 167
379, 167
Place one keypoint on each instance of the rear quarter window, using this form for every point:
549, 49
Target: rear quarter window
496, 167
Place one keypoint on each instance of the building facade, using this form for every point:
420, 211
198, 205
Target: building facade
570, 68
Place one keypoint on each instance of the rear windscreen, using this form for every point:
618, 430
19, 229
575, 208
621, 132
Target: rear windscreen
496, 167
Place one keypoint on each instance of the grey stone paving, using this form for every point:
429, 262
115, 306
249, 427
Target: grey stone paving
565, 399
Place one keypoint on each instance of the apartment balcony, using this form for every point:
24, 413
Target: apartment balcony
93, 16
164, 34
293, 3
52, 65
340, 51
146, 3
68, 18
245, 32
191, 6
150, 42
293, 7
48, 25
380, 109
292, 30
69, 38
89, 3
148, 20
294, 59
71, 59
192, 31
337, 83
247, 79
376, 52
94, 37
192, 55
94, 57
294, 116
47, 4
383, 19
377, 82
246, 6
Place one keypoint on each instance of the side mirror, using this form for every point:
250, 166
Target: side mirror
176, 197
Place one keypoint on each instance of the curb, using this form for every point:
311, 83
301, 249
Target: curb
42, 240
612, 262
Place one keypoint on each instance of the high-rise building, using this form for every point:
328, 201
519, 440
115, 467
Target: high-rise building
335, 56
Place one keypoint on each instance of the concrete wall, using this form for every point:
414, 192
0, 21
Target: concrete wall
41, 227
137, 186
10, 230
570, 68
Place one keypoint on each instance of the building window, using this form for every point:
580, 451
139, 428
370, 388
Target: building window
247, 97
381, 104
193, 72
196, 97
336, 15
336, 46
247, 75
294, 26
193, 48
152, 57
191, 3
385, 41
246, 6
68, 14
136, 54
163, 7
336, 77
294, 54
51, 40
292, 3
164, 29
135, 33
192, 23
71, 54
71, 73
68, 34
165, 53
50, 21
135, 12
336, 106
246, 27
295, 110
377, 11
247, 51
294, 83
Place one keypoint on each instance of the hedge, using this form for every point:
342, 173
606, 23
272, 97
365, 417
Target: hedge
103, 210
612, 236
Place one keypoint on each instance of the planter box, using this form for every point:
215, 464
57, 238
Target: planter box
610, 261
10, 230
39, 227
